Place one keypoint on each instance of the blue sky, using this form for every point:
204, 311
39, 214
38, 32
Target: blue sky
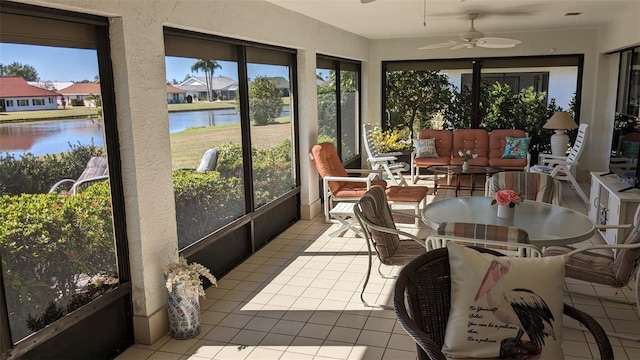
66, 64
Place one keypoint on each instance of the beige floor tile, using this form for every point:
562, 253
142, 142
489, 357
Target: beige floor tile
206, 349
178, 346
221, 334
233, 352
344, 334
373, 338
264, 354
304, 345
248, 337
287, 327
316, 331
334, 350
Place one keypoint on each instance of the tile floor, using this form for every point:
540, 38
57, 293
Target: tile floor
299, 298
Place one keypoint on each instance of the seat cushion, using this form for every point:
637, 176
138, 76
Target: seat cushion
531, 186
492, 298
474, 140
407, 193
375, 210
444, 141
426, 162
484, 232
586, 266
355, 189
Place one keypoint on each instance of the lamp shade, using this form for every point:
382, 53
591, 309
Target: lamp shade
560, 120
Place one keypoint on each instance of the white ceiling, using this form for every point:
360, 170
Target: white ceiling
388, 19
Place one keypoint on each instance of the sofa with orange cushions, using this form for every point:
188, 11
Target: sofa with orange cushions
505, 148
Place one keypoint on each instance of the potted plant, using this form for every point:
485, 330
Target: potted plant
184, 287
394, 140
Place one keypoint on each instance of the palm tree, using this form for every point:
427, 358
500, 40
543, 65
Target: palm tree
208, 67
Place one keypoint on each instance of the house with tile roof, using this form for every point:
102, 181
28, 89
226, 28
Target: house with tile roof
81, 94
175, 95
17, 95
222, 86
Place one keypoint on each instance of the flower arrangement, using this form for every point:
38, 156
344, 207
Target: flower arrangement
467, 155
188, 275
392, 140
506, 197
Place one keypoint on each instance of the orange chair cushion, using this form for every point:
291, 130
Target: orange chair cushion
475, 140
497, 142
407, 193
444, 141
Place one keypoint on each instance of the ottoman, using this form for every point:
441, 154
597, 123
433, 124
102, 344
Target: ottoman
408, 195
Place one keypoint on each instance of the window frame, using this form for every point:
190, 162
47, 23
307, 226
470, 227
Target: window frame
337, 63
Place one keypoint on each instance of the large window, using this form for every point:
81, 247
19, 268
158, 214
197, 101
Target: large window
494, 93
270, 115
57, 233
232, 130
627, 115
338, 86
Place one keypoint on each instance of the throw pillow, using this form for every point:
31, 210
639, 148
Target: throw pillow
504, 306
425, 147
630, 149
516, 148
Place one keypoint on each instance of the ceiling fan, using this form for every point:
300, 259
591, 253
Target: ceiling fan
472, 38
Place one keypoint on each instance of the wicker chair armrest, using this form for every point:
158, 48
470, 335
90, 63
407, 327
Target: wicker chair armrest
604, 345
420, 337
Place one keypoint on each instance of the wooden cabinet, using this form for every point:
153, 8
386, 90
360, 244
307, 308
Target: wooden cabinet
609, 206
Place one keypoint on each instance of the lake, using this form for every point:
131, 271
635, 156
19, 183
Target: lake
54, 137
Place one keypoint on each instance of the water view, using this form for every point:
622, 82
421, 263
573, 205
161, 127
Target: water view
54, 137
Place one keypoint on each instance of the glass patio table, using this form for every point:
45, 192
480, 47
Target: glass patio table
546, 224
456, 171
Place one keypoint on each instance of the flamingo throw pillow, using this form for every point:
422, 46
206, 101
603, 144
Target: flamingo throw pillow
504, 306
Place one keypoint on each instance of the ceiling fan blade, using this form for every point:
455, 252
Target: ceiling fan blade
462, 46
497, 43
438, 46
366, 1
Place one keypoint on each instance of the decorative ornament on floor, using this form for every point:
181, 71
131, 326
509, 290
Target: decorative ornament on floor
184, 287
507, 201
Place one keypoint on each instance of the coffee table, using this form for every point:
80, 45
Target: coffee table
546, 224
456, 170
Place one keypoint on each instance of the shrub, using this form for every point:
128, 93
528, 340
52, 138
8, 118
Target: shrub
392, 140
32, 175
205, 202
50, 245
77, 102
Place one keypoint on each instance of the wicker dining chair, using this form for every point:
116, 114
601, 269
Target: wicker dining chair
424, 284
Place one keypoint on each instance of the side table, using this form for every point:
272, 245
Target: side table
343, 212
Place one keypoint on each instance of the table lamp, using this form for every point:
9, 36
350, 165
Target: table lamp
560, 121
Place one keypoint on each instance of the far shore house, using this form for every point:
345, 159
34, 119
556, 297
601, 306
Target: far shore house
81, 94
17, 95
175, 95
224, 88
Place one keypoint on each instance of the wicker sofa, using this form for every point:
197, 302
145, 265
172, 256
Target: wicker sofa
488, 146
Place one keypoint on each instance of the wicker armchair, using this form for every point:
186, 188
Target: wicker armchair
425, 285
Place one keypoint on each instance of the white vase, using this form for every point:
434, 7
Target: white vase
184, 313
506, 212
465, 166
